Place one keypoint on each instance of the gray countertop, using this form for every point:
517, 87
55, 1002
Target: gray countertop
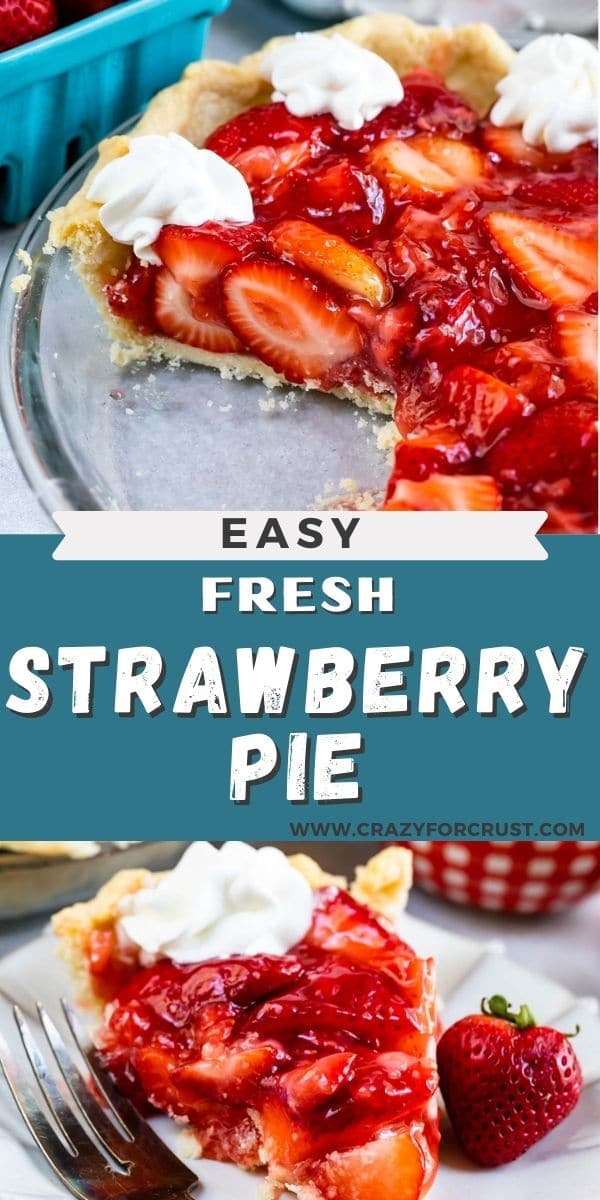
243, 28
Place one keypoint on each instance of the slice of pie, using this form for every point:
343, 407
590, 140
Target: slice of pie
412, 255
317, 1062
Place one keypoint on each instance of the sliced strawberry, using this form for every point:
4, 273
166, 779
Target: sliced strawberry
332, 258
455, 492
425, 163
155, 1073
582, 227
180, 317
230, 1077
509, 144
394, 1081
260, 164
101, 946
288, 321
285, 1141
131, 296
341, 193
360, 1107
554, 191
433, 230
403, 169
308, 1087
362, 1093
342, 925
266, 142
438, 449
557, 265
335, 1002
271, 125
452, 316
396, 1161
407, 259
391, 333
464, 162
197, 256
480, 406
531, 368
577, 336
557, 444
110, 965
562, 519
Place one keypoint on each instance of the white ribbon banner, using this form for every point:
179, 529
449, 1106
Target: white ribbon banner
356, 536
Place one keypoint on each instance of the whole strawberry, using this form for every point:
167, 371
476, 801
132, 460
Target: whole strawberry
506, 1081
23, 20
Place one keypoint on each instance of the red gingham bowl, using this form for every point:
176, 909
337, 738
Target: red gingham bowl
517, 877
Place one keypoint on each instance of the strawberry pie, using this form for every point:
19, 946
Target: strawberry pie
275, 1013
399, 215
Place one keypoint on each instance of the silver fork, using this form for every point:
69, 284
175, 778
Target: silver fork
96, 1142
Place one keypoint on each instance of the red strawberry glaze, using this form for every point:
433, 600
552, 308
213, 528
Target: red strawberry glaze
328, 1046
486, 248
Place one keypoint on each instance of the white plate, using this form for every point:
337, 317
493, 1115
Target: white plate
565, 1164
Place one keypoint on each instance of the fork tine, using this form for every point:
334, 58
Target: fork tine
86, 1103
76, 1134
146, 1140
60, 1159
58, 1106
127, 1115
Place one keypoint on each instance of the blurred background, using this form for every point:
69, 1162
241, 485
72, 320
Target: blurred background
507, 15
248, 23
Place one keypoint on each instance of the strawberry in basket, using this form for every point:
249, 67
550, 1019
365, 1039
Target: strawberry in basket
23, 20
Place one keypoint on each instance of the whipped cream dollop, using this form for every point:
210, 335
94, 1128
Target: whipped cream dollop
165, 180
215, 903
551, 90
315, 74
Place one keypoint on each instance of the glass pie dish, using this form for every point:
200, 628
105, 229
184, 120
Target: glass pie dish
90, 434
36, 883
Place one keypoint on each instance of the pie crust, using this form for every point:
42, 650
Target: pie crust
383, 884
471, 59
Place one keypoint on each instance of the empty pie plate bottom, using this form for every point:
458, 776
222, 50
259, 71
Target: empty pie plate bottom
92, 435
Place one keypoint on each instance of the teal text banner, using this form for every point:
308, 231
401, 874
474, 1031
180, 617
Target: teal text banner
104, 774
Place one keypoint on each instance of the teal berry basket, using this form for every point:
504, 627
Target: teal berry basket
60, 94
